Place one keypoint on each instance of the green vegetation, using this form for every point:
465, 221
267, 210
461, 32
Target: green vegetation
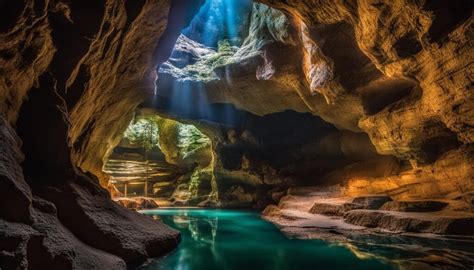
143, 132
190, 139
194, 183
181, 145
203, 70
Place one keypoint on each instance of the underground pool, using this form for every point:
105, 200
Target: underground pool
241, 239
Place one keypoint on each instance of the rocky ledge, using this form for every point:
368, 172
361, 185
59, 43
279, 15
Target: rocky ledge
327, 208
432, 232
452, 223
137, 203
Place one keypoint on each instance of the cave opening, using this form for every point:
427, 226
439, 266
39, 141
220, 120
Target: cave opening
153, 160
160, 158
248, 159
253, 151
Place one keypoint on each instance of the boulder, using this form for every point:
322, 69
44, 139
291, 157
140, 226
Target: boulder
59, 248
271, 211
127, 203
47, 244
137, 203
146, 203
107, 226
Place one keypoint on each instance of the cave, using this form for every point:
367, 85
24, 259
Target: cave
236, 134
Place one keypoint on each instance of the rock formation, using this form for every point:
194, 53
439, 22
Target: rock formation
362, 67
364, 98
70, 80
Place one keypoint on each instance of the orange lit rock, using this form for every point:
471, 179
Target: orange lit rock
415, 84
137, 203
448, 177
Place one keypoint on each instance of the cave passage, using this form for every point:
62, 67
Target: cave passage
161, 159
236, 134
202, 141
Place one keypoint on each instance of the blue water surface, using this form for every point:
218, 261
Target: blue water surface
236, 239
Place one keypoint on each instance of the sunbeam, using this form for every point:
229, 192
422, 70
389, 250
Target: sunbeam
213, 37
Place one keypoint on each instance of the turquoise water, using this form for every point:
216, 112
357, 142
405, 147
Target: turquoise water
241, 240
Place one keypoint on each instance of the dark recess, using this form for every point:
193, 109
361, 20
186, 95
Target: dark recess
408, 45
448, 16
9, 12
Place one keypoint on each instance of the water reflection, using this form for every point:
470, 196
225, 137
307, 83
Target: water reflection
228, 239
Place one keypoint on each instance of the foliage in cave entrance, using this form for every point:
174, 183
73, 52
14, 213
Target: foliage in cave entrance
190, 140
143, 132
204, 69
166, 156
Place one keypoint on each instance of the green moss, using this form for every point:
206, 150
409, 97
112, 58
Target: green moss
181, 144
194, 183
203, 70
143, 132
191, 139
169, 134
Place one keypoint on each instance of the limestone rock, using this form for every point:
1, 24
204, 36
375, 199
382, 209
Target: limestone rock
327, 209
15, 240
60, 249
363, 68
271, 210
108, 226
48, 244
15, 200
414, 206
137, 203
450, 176
237, 196
26, 49
371, 202
393, 46
392, 77
74, 115
447, 223
333, 209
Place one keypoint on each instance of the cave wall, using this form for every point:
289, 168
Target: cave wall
412, 88
397, 71
70, 78
423, 42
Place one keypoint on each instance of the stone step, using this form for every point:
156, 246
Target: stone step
449, 223
414, 206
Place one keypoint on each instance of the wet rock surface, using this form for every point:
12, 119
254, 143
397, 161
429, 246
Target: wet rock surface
442, 238
379, 212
